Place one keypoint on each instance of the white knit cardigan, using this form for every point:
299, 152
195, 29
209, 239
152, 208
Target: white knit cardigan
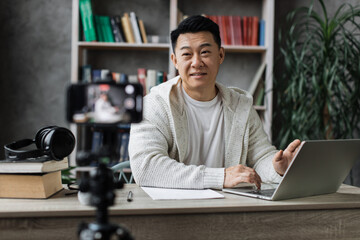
159, 143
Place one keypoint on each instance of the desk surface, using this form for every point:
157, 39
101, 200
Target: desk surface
68, 205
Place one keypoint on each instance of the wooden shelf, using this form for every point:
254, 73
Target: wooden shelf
260, 108
244, 49
124, 46
160, 47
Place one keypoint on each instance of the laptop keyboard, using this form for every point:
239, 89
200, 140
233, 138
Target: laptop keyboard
266, 192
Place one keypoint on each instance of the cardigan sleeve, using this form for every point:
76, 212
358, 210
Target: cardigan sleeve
154, 156
260, 150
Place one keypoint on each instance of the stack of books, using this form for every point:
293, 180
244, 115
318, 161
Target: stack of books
34, 178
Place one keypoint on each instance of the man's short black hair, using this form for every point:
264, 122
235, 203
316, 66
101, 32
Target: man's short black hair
196, 24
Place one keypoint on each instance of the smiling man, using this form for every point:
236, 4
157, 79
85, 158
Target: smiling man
197, 133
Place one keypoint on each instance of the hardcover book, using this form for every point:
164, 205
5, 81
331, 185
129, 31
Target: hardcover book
41, 185
117, 32
87, 20
126, 24
135, 27
33, 166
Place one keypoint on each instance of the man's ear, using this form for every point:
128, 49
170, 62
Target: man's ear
221, 54
173, 59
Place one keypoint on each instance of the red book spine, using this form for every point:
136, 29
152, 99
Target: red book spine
245, 30
219, 22
224, 25
255, 31
141, 75
249, 28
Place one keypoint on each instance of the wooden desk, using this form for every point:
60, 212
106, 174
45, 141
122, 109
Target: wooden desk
333, 216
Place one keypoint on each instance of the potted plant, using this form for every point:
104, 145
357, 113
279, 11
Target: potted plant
318, 87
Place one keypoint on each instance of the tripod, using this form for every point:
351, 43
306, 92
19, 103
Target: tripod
100, 184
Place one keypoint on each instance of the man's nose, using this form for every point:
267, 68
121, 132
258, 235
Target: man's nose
197, 61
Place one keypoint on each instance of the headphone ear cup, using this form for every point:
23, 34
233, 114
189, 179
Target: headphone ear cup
41, 134
57, 142
62, 143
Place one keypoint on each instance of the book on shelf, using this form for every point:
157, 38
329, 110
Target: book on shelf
143, 31
124, 153
150, 79
20, 185
87, 20
101, 75
141, 77
237, 30
257, 77
232, 29
159, 77
259, 94
126, 24
245, 30
106, 25
116, 29
157, 39
261, 32
254, 31
119, 77
86, 74
124, 78
133, 78
179, 17
257, 87
135, 27
103, 28
39, 165
97, 141
99, 31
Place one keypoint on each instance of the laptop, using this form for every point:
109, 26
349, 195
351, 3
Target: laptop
319, 167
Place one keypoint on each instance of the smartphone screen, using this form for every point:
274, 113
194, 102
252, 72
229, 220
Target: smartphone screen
105, 104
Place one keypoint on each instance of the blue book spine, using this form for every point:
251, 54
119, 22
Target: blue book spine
97, 141
96, 75
262, 32
124, 154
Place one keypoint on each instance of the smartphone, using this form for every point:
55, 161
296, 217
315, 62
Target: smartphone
104, 103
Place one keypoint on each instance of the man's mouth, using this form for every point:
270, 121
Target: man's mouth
197, 74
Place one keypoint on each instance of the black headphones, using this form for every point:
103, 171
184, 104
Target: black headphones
52, 142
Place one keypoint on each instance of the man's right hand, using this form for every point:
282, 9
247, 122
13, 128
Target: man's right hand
240, 173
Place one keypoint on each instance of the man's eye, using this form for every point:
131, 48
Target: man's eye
186, 54
205, 52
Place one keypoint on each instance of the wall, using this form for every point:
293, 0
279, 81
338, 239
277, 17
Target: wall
35, 50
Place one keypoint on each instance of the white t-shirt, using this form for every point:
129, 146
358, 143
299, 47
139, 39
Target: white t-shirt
206, 132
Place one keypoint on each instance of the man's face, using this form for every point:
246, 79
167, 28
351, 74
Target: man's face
197, 58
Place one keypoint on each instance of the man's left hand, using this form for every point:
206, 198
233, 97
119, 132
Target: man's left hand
282, 159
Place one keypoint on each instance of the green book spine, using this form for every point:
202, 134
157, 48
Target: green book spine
87, 20
159, 77
98, 29
103, 29
108, 29
260, 97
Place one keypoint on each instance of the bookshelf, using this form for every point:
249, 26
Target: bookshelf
160, 17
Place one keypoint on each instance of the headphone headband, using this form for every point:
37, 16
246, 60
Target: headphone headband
12, 152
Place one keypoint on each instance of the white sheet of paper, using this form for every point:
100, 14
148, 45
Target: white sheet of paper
177, 194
